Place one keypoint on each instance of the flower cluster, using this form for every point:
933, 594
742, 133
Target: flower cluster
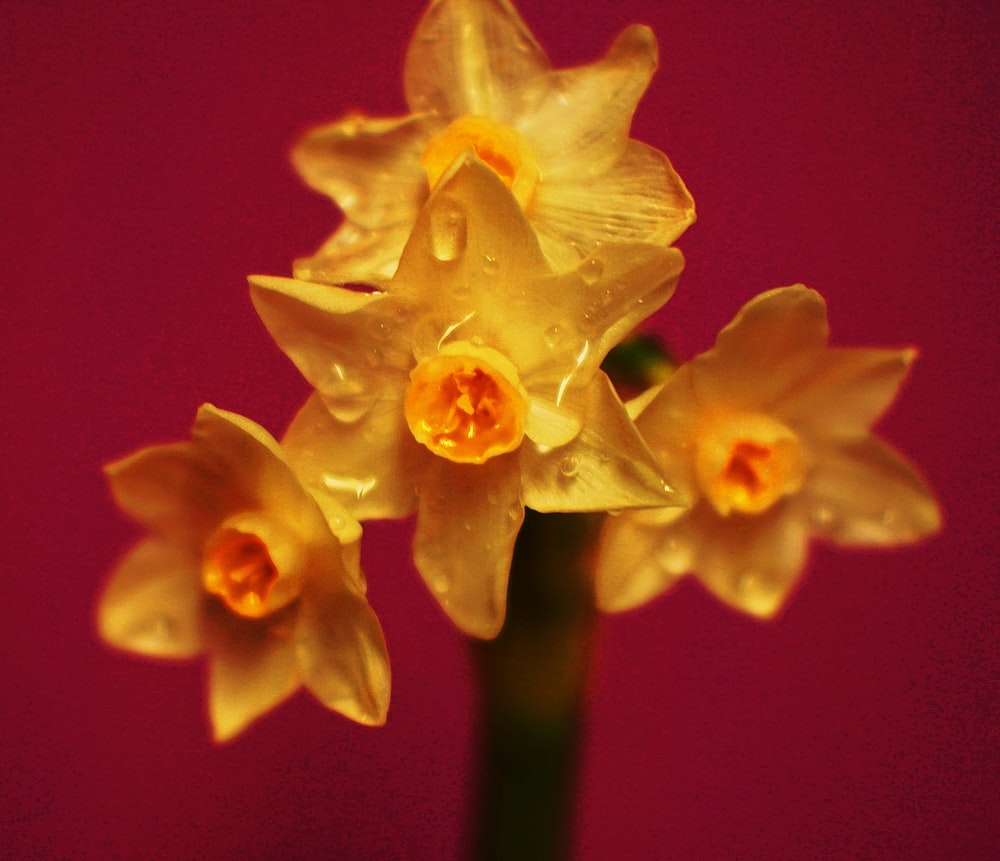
510, 234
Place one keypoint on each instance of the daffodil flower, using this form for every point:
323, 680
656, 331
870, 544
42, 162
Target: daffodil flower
471, 387
769, 432
475, 79
244, 565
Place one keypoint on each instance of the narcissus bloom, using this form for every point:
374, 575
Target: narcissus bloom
475, 79
245, 566
769, 432
471, 387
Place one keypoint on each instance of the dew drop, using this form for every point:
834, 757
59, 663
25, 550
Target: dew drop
823, 515
591, 270
514, 513
346, 400
569, 466
440, 583
490, 265
492, 496
448, 232
554, 335
749, 581
477, 341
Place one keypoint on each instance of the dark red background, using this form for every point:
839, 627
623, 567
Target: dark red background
144, 174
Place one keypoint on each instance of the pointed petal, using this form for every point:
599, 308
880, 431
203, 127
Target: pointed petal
467, 522
152, 603
467, 55
636, 562
178, 489
847, 391
354, 255
342, 656
774, 341
606, 466
638, 198
578, 119
344, 342
252, 670
749, 562
367, 467
867, 493
370, 167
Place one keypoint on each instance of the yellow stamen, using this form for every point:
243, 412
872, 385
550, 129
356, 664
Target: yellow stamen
502, 148
466, 403
746, 463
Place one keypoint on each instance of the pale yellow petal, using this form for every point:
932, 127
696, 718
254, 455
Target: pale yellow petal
867, 493
772, 343
179, 489
846, 392
466, 56
342, 656
467, 522
637, 561
605, 466
638, 198
368, 467
370, 167
344, 342
252, 669
750, 562
578, 119
152, 602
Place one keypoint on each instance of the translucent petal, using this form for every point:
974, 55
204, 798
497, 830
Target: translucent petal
748, 561
771, 344
356, 256
606, 466
846, 392
180, 490
866, 493
467, 522
344, 342
152, 603
370, 167
578, 119
638, 198
252, 669
371, 468
466, 56
342, 656
636, 562
549, 425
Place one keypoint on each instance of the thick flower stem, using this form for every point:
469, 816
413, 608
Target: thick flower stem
532, 685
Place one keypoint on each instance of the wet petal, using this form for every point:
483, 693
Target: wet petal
467, 522
847, 391
606, 466
368, 467
866, 493
750, 562
774, 341
637, 561
639, 198
466, 56
342, 656
152, 603
579, 119
252, 669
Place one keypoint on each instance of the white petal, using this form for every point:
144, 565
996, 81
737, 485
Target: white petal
637, 561
467, 522
866, 493
152, 603
548, 425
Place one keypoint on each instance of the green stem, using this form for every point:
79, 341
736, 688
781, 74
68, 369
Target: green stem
532, 679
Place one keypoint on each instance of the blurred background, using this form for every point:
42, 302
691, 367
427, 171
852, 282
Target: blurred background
144, 174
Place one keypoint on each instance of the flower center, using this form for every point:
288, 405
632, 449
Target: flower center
252, 578
502, 148
746, 463
466, 403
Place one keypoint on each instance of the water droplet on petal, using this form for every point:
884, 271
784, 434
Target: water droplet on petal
514, 513
346, 400
569, 466
492, 496
490, 265
440, 583
591, 270
448, 232
749, 581
823, 515
554, 334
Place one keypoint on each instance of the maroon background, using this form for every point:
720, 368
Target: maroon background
144, 174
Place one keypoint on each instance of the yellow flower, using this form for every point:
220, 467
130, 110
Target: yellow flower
475, 79
769, 432
245, 566
471, 387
